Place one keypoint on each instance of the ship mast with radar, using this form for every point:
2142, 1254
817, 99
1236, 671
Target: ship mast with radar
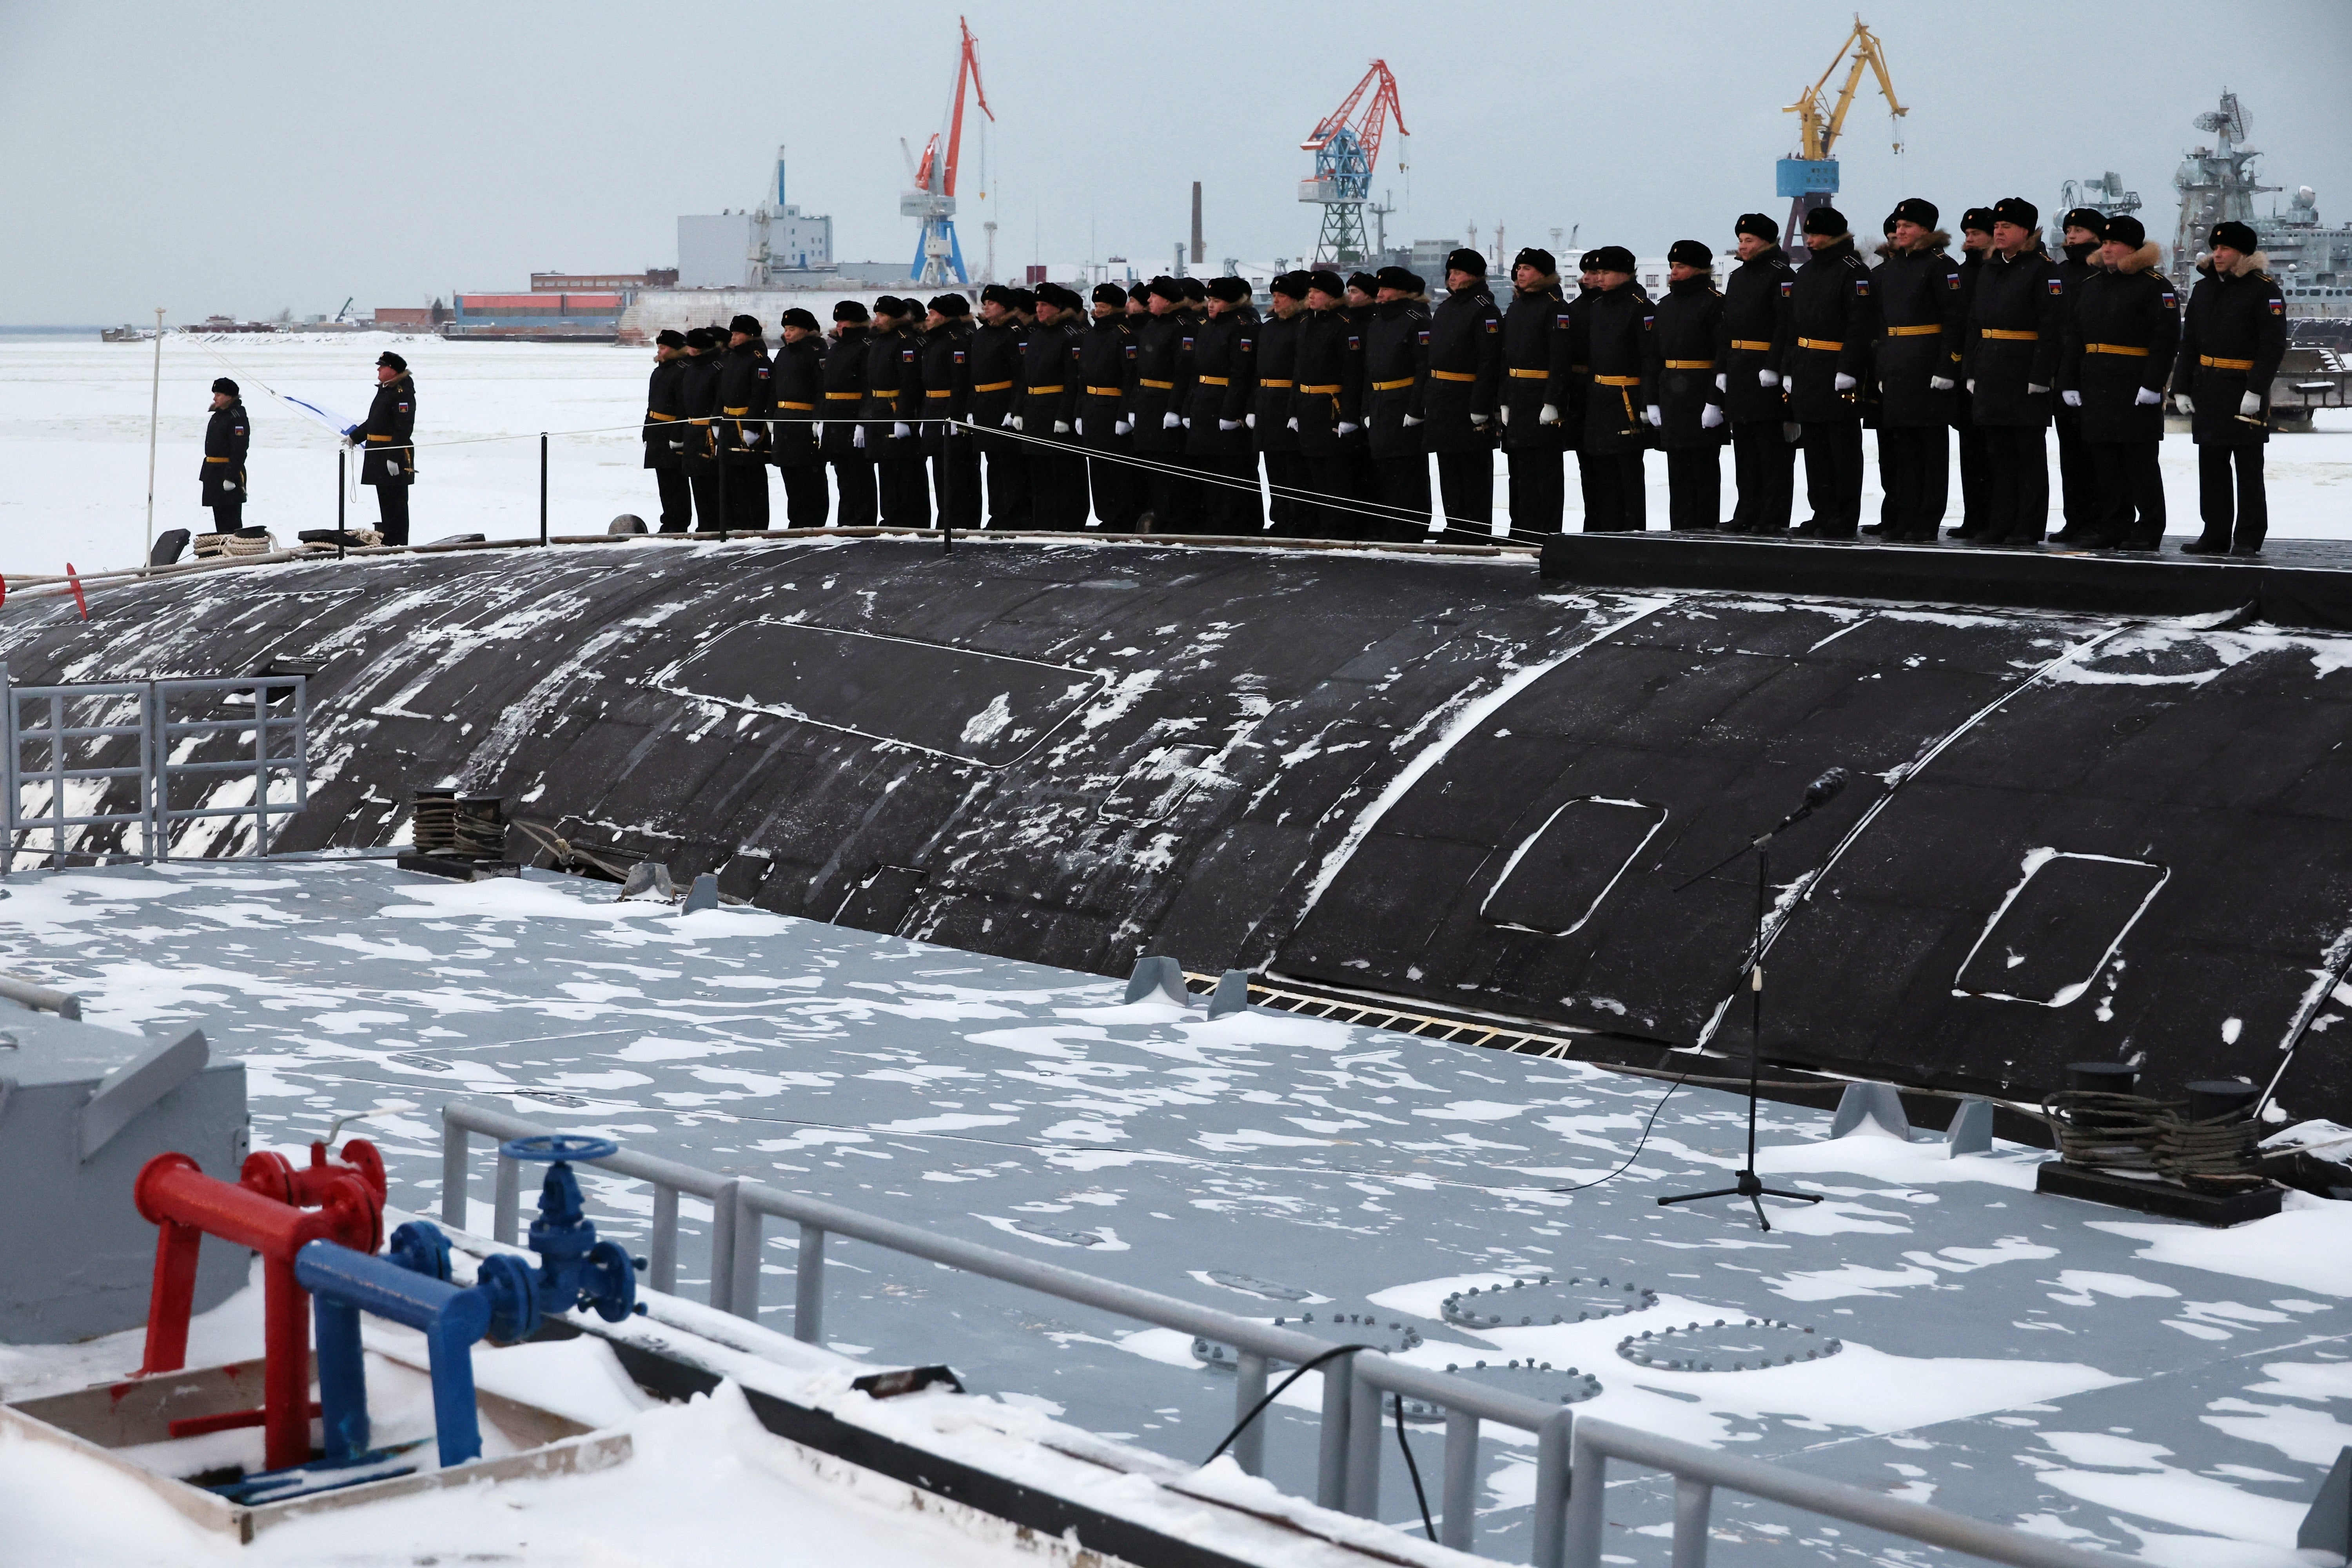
2216, 184
938, 259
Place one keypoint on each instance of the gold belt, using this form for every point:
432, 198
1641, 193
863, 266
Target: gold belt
842, 396
2118, 349
1690, 364
1926, 332
1753, 345
2206, 360
1616, 381
1156, 385
874, 392
387, 439
1044, 390
1391, 385
942, 392
1102, 392
1214, 380
1453, 375
1273, 383
2008, 336
1531, 374
992, 386
1825, 344
745, 409
803, 407
216, 459
659, 418
1333, 389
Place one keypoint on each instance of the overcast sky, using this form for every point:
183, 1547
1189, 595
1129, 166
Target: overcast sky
247, 158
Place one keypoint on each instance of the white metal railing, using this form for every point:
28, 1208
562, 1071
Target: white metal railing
53, 737
1568, 1518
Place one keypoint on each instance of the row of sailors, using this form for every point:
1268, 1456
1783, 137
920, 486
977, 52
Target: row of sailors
1154, 408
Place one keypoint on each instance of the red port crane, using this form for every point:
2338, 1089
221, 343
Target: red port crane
1347, 145
937, 256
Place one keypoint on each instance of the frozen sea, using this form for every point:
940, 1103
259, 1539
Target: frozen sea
74, 430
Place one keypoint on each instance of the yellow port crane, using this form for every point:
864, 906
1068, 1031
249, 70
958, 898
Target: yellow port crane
1810, 178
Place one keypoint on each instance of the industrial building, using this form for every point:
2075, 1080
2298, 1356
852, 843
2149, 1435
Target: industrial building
773, 245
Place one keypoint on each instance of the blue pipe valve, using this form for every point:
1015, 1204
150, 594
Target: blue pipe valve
575, 1269
411, 1284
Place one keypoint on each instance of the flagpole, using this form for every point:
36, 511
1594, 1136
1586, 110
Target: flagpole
154, 405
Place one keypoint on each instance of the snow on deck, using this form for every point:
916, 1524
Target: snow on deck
2105, 1378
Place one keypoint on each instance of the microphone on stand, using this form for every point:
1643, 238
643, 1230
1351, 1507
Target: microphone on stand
1824, 789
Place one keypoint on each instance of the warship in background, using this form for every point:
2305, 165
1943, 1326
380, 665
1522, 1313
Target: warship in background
2312, 262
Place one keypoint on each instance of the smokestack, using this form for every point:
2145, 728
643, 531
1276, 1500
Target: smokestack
1200, 251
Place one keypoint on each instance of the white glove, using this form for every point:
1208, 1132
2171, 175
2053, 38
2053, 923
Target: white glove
901, 430
1229, 424
1972, 386
1348, 429
1940, 382
2180, 401
1294, 422
1844, 382
858, 437
1188, 422
1655, 416
2070, 397
1409, 421
1061, 427
1790, 433
1477, 422
1548, 415
1711, 417
1121, 427
2250, 404
2034, 389
1079, 425
1721, 383
1250, 420
1169, 421
1011, 422
754, 436
2149, 397
1507, 414
1768, 378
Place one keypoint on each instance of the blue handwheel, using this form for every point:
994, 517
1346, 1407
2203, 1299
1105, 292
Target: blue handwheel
559, 1146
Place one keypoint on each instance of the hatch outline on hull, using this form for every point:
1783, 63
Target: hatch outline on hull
1530, 842
2036, 861
669, 682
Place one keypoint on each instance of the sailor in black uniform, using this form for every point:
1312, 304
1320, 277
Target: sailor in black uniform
1826, 341
1465, 374
1684, 347
228, 437
2231, 341
844, 441
2120, 339
387, 436
1755, 297
800, 401
2014, 332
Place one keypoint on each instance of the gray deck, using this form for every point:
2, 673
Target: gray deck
2009, 1356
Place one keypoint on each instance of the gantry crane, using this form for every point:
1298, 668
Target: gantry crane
1810, 177
939, 259
1345, 148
